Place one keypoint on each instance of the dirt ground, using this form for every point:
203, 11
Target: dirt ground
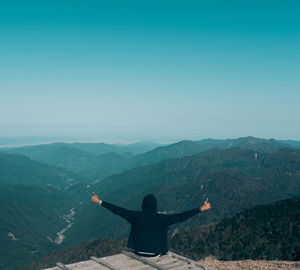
250, 265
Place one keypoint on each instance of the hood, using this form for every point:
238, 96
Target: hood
149, 204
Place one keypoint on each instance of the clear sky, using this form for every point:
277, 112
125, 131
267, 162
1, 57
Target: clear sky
150, 70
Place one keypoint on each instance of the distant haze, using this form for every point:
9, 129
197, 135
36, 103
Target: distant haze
37, 140
150, 70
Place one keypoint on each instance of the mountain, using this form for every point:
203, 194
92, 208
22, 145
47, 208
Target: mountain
59, 155
44, 150
30, 214
89, 166
91, 160
265, 232
180, 149
104, 165
140, 147
18, 169
250, 143
233, 179
103, 148
188, 148
98, 160
31, 140
281, 169
112, 163
41, 152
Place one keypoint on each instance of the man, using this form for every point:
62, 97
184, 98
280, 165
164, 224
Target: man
148, 234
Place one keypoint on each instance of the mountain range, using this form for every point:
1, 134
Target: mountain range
39, 181
98, 160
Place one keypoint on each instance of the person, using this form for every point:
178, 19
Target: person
148, 234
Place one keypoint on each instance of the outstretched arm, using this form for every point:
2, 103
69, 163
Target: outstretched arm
122, 212
171, 219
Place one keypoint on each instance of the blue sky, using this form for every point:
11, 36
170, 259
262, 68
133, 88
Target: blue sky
150, 70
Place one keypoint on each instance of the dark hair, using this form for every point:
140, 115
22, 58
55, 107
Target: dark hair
149, 203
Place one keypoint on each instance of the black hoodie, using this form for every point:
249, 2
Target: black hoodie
148, 228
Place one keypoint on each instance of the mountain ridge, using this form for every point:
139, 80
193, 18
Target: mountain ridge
89, 164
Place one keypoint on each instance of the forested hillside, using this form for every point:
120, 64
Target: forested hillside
269, 232
29, 214
18, 169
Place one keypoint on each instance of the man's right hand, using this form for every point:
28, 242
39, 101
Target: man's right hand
205, 206
95, 198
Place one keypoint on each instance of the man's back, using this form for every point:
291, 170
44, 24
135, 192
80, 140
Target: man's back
148, 228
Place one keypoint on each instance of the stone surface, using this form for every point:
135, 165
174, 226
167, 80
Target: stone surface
129, 261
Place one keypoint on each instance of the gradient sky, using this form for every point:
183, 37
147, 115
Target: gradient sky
150, 70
